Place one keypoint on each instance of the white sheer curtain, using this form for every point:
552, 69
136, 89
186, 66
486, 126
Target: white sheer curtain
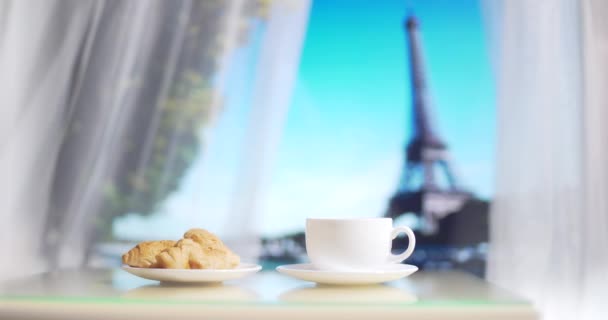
549, 222
36, 49
104, 109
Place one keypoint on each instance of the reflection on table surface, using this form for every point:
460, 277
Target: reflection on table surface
371, 294
206, 292
264, 287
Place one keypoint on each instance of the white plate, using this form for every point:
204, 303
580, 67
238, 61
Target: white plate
194, 275
308, 272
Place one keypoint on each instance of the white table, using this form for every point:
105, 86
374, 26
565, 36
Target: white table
115, 294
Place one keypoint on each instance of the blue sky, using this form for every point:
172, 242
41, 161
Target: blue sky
349, 117
341, 147
352, 96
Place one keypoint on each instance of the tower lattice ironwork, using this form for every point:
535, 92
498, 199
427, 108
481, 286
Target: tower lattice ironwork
429, 186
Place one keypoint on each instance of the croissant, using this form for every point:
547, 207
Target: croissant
144, 254
178, 256
214, 253
199, 249
204, 238
213, 258
187, 254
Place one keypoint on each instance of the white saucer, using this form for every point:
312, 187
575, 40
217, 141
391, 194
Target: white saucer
308, 272
194, 275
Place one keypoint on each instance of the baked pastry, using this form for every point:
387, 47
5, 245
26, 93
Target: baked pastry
214, 253
144, 254
199, 249
178, 256
213, 258
204, 238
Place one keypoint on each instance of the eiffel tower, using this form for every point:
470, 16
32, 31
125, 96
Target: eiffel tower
428, 187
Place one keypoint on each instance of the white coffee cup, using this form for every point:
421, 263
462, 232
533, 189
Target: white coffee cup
354, 244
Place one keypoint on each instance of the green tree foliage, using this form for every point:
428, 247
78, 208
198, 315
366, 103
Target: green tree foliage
151, 170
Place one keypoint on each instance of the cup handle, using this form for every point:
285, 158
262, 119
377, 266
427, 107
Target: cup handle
396, 258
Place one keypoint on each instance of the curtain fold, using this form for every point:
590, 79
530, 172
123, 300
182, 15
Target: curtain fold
595, 134
106, 109
549, 217
36, 49
104, 102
